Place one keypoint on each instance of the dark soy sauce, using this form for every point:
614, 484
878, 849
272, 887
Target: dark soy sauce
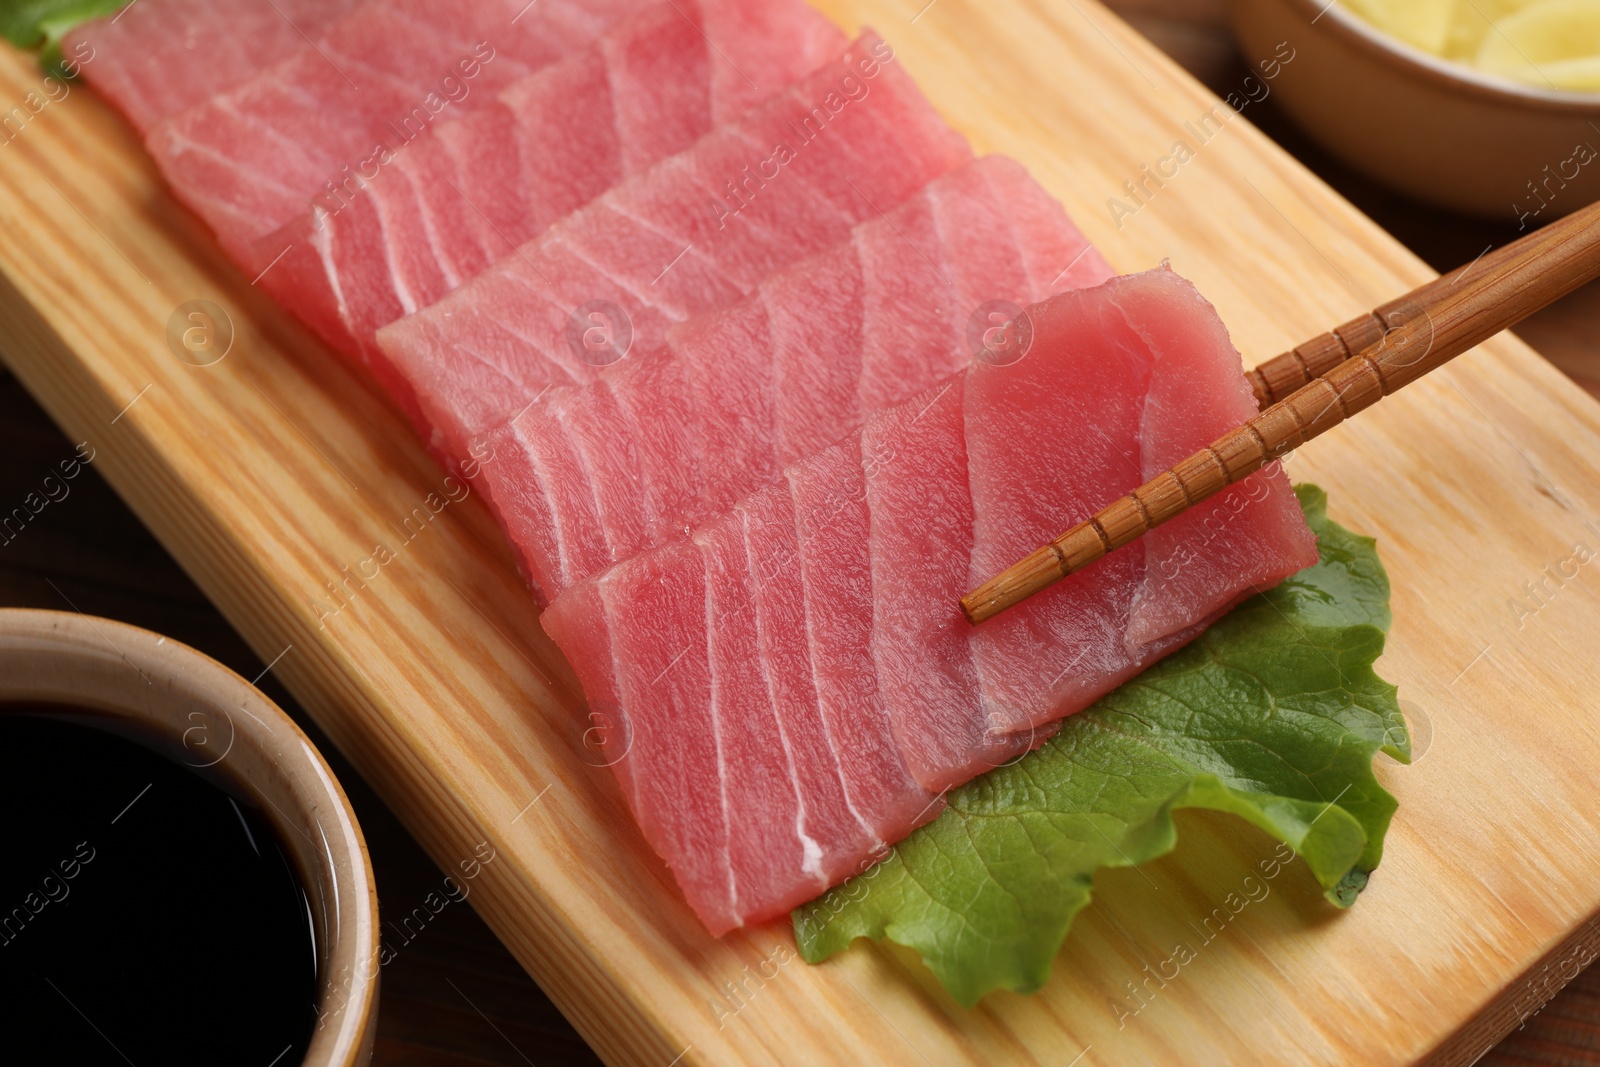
146, 916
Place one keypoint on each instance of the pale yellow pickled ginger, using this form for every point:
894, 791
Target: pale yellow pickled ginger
1549, 43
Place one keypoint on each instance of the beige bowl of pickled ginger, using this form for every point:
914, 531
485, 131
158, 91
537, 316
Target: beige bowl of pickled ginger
1489, 107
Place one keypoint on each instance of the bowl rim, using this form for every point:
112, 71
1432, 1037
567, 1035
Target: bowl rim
352, 956
1454, 75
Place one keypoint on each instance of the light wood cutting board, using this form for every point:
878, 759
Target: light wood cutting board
273, 474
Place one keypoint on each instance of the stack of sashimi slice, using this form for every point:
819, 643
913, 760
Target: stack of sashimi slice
698, 231
798, 678
751, 510
450, 203
589, 476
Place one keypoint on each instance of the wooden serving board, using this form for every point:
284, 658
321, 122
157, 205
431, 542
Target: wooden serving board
273, 475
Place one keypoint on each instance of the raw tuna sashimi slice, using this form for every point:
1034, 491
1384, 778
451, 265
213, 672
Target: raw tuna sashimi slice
1192, 552
681, 801
468, 192
1141, 416
666, 440
157, 58
831, 527
697, 232
921, 507
889, 528
746, 831
250, 160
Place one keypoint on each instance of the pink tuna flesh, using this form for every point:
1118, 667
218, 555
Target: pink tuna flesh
447, 205
251, 159
868, 545
158, 58
697, 232
663, 441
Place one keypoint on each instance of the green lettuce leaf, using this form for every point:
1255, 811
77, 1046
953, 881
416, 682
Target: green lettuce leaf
1274, 714
43, 23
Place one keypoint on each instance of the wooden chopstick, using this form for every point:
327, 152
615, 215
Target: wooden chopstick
1455, 317
1283, 374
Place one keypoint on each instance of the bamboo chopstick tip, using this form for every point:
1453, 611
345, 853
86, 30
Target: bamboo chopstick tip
1042, 568
973, 607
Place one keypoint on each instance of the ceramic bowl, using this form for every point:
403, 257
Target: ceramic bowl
194, 710
1431, 128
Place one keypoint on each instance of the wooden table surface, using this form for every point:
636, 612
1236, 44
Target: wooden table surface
453, 995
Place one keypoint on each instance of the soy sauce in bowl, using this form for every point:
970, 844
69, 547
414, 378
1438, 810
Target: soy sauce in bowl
146, 915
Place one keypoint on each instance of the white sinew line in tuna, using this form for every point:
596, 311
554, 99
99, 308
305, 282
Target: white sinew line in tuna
250, 160
697, 232
796, 682
592, 475
439, 210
